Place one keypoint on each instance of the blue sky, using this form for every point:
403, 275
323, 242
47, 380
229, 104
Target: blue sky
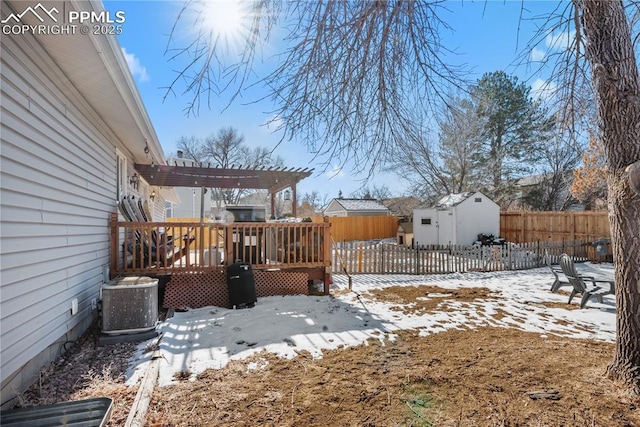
487, 36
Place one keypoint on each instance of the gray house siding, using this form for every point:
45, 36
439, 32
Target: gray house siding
57, 191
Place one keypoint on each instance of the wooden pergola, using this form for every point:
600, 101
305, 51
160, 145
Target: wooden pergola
272, 179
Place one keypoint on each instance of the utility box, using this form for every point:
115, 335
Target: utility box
129, 305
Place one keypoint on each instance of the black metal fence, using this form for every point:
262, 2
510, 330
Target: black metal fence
389, 258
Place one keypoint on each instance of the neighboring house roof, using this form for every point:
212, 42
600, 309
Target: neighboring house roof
362, 205
407, 227
402, 206
531, 180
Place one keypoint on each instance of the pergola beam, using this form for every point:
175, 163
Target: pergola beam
273, 179
199, 176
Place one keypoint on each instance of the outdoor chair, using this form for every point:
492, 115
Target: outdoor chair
587, 286
153, 247
556, 270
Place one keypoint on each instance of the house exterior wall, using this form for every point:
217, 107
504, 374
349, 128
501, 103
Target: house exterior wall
158, 209
190, 203
334, 209
57, 191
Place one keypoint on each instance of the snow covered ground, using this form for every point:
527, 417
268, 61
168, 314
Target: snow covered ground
210, 337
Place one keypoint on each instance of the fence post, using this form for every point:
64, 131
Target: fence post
382, 268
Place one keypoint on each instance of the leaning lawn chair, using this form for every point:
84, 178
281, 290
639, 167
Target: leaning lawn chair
556, 270
150, 247
587, 286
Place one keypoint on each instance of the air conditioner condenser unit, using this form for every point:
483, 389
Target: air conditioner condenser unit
129, 305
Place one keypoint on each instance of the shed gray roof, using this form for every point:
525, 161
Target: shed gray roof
453, 199
362, 205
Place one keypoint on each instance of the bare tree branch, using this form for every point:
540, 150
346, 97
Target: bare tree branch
357, 79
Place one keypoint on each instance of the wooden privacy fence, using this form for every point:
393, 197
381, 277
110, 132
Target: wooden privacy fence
516, 227
349, 228
521, 227
386, 258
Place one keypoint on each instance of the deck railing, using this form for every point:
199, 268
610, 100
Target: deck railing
168, 247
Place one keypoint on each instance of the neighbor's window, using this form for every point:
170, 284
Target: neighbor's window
426, 221
478, 199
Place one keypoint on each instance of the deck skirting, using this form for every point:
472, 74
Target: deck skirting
209, 288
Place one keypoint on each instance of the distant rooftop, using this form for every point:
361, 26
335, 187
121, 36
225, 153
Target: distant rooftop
362, 205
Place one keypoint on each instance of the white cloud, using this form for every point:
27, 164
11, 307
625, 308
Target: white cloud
543, 89
135, 66
537, 54
335, 172
559, 41
273, 124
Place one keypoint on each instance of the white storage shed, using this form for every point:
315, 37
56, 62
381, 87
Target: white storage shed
456, 219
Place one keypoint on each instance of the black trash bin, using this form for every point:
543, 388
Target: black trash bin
241, 285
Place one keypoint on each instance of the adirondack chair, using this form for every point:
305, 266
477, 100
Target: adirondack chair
556, 270
151, 247
589, 287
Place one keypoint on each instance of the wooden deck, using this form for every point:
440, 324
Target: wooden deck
179, 247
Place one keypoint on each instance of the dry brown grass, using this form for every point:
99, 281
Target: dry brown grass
481, 377
86, 371
467, 377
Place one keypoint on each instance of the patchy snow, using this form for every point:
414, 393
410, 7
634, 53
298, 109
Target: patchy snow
454, 199
210, 337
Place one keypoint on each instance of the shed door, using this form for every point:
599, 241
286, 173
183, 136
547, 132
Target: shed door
445, 227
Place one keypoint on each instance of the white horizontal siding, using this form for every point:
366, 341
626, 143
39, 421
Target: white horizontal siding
158, 209
57, 185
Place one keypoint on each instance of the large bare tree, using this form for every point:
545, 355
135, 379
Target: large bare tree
614, 71
359, 79
355, 82
226, 149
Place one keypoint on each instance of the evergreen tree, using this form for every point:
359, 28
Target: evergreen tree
514, 129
